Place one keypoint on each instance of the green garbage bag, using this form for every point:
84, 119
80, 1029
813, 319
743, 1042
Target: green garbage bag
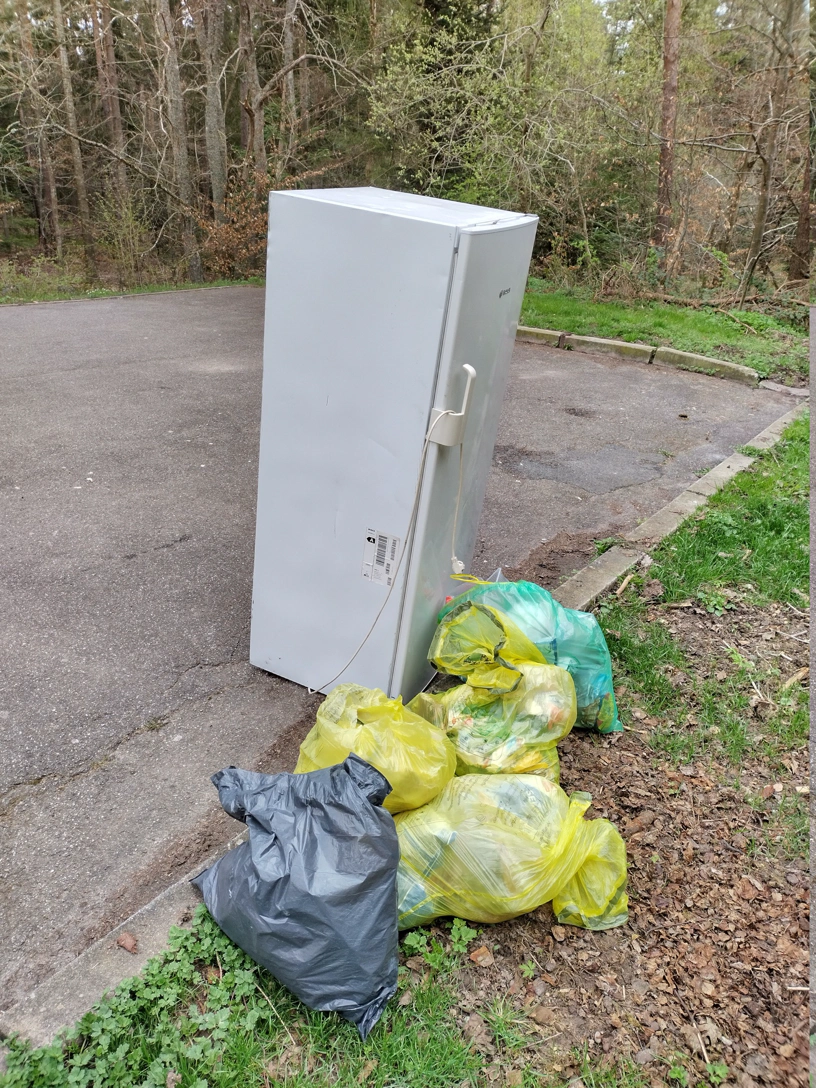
506, 732
491, 847
563, 636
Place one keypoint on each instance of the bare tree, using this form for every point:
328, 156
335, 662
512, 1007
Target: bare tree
171, 78
668, 121
208, 21
799, 265
109, 87
252, 102
76, 149
38, 150
781, 61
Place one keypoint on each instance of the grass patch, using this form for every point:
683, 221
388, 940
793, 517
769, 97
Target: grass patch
46, 281
774, 347
209, 1015
749, 548
753, 536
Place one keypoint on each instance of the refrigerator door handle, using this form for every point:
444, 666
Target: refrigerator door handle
450, 429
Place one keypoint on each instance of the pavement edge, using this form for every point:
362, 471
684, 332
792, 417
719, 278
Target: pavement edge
583, 588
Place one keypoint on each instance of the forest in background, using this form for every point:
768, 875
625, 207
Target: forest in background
664, 144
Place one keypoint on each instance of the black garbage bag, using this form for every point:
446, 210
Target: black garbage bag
312, 895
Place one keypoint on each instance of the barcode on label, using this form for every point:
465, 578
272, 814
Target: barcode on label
380, 557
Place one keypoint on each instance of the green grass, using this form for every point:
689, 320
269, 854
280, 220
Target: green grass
774, 347
45, 281
203, 1015
750, 545
206, 1012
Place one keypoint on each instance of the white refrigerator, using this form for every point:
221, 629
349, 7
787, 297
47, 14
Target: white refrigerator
388, 316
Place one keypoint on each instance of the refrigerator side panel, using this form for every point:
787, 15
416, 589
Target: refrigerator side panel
487, 289
355, 305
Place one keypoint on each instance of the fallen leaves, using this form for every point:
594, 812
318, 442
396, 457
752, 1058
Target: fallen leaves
482, 957
476, 1030
799, 676
128, 942
558, 933
367, 1070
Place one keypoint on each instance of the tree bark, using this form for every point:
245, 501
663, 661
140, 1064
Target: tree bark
109, 88
288, 117
253, 103
208, 21
781, 59
76, 150
799, 265
725, 241
668, 121
166, 35
38, 151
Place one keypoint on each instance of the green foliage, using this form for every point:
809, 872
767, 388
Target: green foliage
777, 347
528, 969
755, 528
461, 934
207, 1013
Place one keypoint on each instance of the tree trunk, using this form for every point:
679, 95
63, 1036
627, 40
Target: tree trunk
288, 118
208, 21
109, 88
38, 151
76, 150
782, 60
668, 121
726, 240
165, 34
252, 104
799, 266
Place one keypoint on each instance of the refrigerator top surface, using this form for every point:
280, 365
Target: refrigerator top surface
408, 205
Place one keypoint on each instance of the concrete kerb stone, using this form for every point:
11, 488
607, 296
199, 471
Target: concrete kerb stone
687, 360
643, 353
646, 353
584, 587
62, 999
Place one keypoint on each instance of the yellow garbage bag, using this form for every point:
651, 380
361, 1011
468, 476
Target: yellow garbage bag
415, 756
477, 641
491, 847
506, 732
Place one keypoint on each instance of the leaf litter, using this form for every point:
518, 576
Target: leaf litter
714, 962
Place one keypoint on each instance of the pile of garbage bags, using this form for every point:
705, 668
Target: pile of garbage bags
480, 829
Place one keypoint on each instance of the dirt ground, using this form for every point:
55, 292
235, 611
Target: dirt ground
714, 960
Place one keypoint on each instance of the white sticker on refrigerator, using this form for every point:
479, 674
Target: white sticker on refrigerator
380, 557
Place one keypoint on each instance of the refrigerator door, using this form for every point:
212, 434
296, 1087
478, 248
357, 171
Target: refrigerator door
487, 289
355, 308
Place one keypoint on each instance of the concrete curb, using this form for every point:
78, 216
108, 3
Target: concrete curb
645, 353
62, 999
586, 586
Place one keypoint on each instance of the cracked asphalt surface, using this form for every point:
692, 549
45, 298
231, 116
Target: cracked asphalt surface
127, 489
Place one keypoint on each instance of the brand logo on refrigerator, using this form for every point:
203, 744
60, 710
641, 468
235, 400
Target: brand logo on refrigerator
506, 291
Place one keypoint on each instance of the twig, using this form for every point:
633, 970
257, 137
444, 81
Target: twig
275, 1011
764, 698
744, 324
702, 1044
624, 584
540, 1042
